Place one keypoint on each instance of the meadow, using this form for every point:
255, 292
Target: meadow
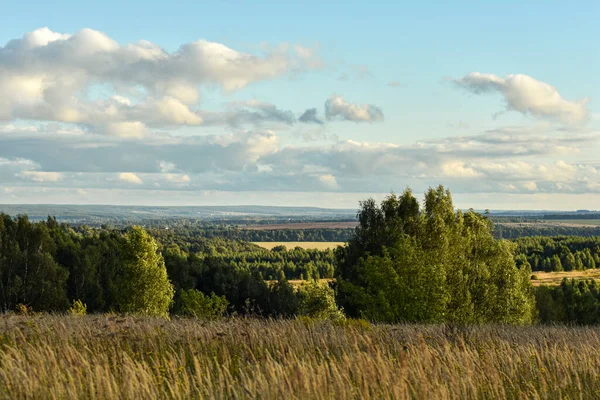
555, 278
304, 245
111, 356
576, 222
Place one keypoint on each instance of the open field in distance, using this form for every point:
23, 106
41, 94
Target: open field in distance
551, 223
116, 357
555, 278
576, 222
304, 245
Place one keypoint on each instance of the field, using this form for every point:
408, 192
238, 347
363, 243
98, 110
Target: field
576, 222
115, 357
304, 245
302, 225
554, 278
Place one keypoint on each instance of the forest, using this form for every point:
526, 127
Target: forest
403, 263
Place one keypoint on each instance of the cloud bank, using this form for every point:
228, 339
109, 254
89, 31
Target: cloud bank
527, 95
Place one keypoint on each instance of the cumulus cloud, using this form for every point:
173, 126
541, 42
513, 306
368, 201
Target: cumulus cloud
177, 178
47, 75
505, 160
250, 112
310, 117
130, 177
336, 107
328, 181
527, 95
42, 176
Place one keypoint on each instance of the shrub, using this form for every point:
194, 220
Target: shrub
318, 301
78, 308
22, 309
193, 303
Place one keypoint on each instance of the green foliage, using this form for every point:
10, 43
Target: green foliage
318, 301
575, 301
194, 303
78, 308
404, 264
29, 274
143, 287
283, 299
553, 254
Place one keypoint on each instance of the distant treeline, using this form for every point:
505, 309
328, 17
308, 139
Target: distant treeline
190, 234
513, 231
501, 231
565, 253
578, 216
574, 301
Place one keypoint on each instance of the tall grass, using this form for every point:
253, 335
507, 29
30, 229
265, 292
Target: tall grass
51, 356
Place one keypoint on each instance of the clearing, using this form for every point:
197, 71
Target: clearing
555, 278
304, 245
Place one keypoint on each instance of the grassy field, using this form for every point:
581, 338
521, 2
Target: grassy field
576, 222
554, 278
114, 357
304, 245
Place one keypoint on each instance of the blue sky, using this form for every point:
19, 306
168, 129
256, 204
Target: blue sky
201, 103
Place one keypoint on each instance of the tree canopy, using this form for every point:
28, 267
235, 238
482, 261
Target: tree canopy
413, 263
144, 287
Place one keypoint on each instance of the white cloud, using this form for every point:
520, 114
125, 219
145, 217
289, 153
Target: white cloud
338, 107
47, 75
130, 129
531, 185
328, 181
527, 95
177, 178
42, 176
130, 177
458, 169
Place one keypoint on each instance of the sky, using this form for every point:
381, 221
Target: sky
300, 103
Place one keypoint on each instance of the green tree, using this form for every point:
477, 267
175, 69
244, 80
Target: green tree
144, 287
317, 300
410, 264
194, 303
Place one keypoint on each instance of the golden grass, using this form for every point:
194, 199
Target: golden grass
304, 245
555, 278
113, 357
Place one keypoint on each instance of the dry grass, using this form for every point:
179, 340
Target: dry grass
304, 245
116, 357
555, 278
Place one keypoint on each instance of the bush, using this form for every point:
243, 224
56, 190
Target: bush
193, 303
78, 308
22, 309
318, 301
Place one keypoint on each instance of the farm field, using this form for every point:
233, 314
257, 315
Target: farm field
576, 222
117, 357
302, 225
554, 222
555, 278
304, 245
